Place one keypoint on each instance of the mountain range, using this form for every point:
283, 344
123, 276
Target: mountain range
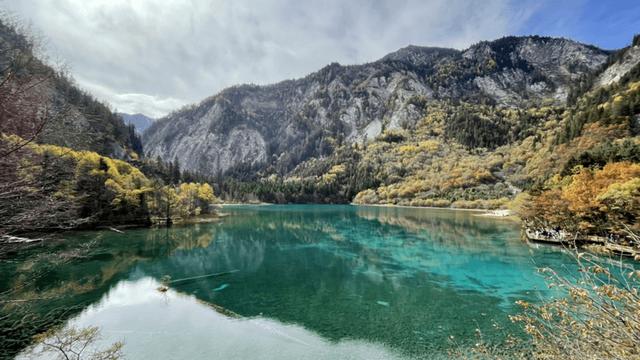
277, 127
420, 126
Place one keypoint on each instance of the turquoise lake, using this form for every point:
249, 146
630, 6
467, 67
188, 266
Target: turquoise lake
284, 282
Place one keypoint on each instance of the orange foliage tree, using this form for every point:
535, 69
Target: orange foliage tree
596, 201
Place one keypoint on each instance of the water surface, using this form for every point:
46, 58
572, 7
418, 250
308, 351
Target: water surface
293, 281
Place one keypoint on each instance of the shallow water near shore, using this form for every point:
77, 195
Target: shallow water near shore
288, 281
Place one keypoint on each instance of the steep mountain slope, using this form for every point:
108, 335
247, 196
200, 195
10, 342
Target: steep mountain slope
140, 121
464, 154
272, 129
46, 99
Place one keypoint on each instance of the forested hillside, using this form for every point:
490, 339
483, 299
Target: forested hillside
67, 161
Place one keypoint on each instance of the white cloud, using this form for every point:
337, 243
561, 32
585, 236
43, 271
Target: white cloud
153, 56
133, 103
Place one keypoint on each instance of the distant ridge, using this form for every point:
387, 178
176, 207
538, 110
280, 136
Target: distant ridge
140, 121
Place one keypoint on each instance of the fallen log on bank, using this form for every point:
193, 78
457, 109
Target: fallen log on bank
590, 242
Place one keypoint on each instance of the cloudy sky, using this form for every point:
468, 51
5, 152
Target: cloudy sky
153, 56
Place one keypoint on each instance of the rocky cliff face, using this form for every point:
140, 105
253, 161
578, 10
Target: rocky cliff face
275, 127
627, 60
